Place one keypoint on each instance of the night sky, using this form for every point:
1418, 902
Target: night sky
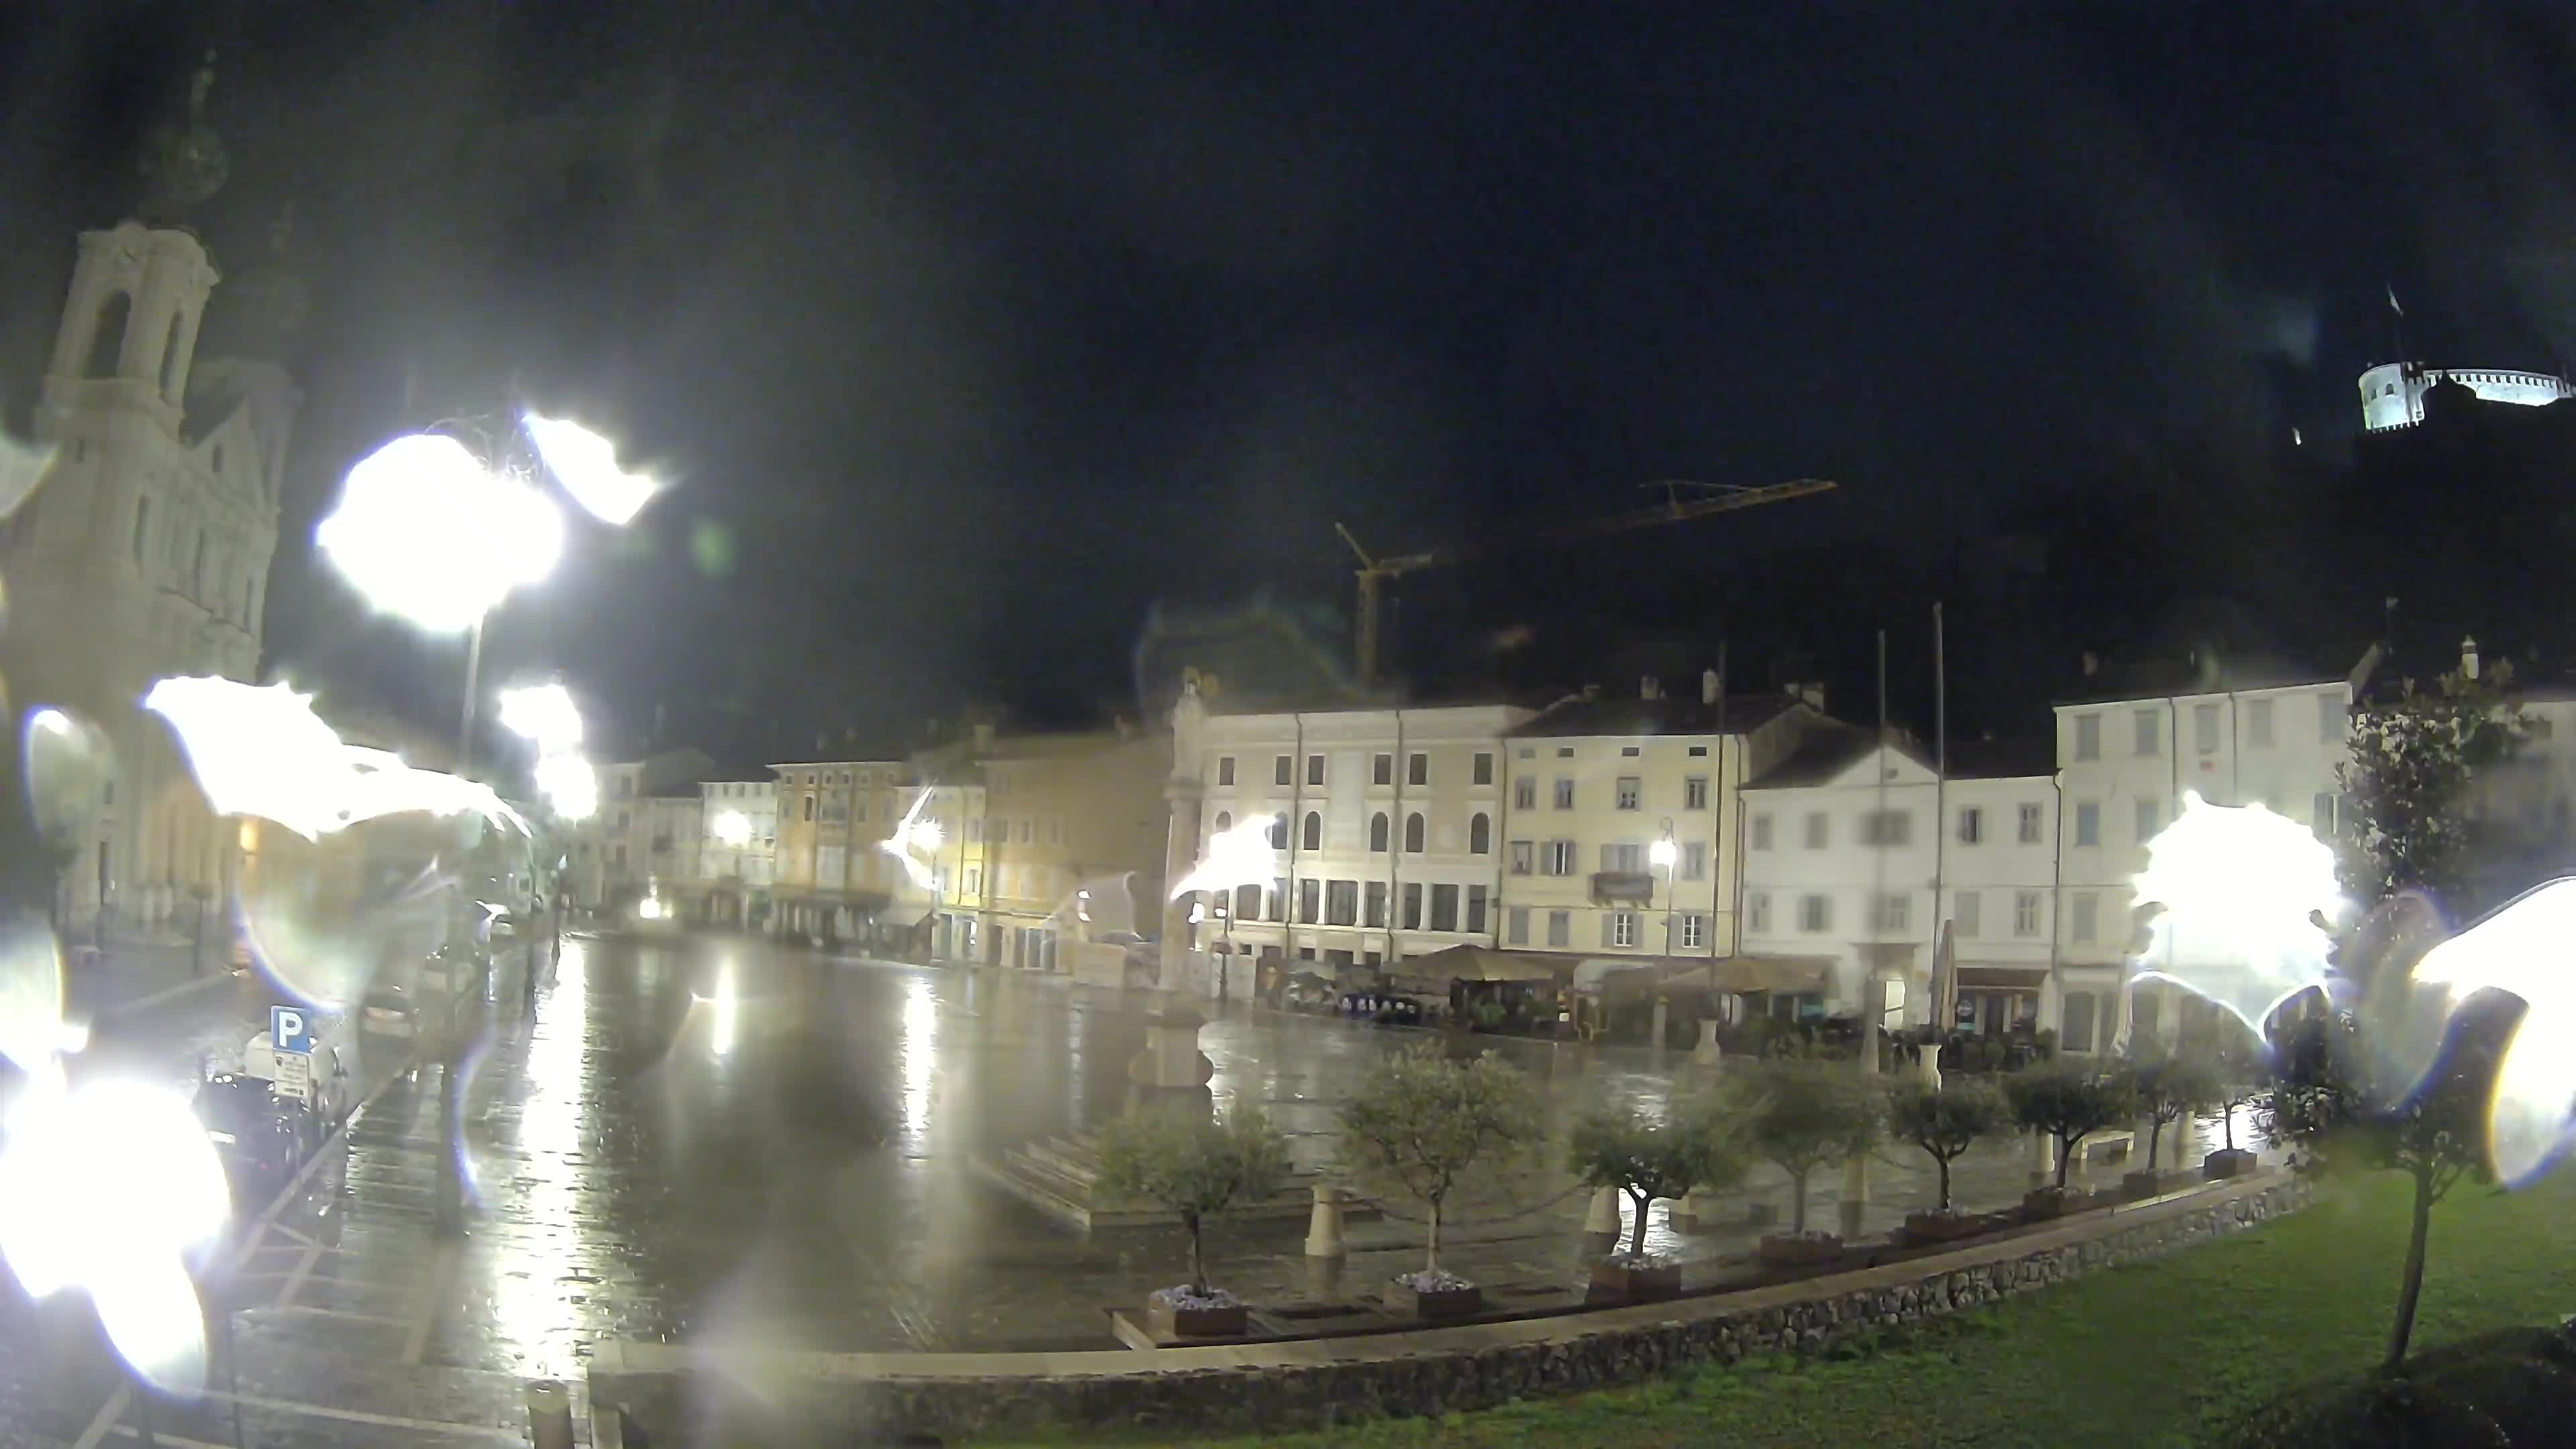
975, 332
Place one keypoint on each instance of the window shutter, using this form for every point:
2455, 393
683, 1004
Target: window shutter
1605, 928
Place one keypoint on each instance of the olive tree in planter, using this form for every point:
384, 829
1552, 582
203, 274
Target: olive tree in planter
2243, 1072
1800, 1115
2169, 1088
1646, 1158
1197, 1167
1946, 1121
1420, 1122
2069, 1102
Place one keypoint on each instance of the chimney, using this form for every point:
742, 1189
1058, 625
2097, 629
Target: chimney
2468, 657
1592, 691
1647, 688
2092, 664
1814, 695
1708, 686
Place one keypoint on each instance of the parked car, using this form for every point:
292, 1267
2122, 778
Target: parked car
260, 1137
388, 1011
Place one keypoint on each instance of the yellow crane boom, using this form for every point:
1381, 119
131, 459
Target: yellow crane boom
1678, 506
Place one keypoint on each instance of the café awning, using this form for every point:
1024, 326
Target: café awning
1746, 974
1480, 963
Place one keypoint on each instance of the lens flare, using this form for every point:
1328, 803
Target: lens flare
586, 465
31, 993
732, 829
1240, 856
68, 764
569, 784
2235, 892
426, 532
544, 715
913, 838
2521, 948
22, 469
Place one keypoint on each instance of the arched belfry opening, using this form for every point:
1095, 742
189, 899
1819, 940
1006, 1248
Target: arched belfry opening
107, 338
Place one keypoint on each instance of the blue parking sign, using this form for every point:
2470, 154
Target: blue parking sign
289, 1029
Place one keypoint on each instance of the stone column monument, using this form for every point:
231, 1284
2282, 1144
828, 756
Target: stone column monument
1184, 789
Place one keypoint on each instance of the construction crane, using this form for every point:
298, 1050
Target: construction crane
1682, 501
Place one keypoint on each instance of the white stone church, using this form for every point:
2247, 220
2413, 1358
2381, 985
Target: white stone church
145, 551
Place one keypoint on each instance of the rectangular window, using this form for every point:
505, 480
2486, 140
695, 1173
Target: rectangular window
1525, 793
1279, 770
2088, 822
2321, 814
1314, 769
1516, 926
1630, 751
1815, 914
2330, 718
1444, 908
1694, 860
1565, 792
1475, 909
1310, 901
2075, 1022
1761, 832
2025, 913
1757, 912
1417, 770
1413, 906
2150, 819
1972, 825
2088, 737
2088, 916
2027, 828
1028, 830
1376, 904
1619, 928
1342, 903
974, 878
1481, 771
1886, 827
2204, 728
1694, 932
1560, 929
1522, 852
1695, 792
2258, 724
2146, 721
1278, 898
1631, 792
1965, 908
1892, 911
1559, 857
1247, 903
1625, 855
1818, 831
1382, 770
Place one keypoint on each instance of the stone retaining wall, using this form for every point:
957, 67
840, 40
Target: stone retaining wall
680, 1394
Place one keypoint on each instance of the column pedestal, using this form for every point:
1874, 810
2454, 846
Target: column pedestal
1324, 1225
1707, 1053
1603, 1216
1855, 1198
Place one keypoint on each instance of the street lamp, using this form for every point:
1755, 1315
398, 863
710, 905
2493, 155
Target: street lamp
1663, 854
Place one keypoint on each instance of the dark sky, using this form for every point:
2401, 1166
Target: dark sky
973, 332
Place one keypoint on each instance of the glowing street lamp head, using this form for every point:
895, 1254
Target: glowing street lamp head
732, 829
586, 464
426, 532
544, 715
924, 835
1663, 853
570, 786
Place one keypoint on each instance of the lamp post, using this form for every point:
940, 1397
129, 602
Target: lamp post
1663, 854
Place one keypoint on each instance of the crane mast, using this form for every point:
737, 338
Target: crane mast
1678, 506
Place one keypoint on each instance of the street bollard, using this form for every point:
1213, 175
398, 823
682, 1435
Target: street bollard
1324, 1225
549, 1415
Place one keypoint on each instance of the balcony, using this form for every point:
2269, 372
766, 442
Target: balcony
1609, 886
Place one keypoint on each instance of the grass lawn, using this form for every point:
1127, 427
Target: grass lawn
2155, 1354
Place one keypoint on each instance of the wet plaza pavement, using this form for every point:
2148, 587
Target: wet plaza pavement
722, 1141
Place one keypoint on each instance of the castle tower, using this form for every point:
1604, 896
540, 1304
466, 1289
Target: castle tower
144, 554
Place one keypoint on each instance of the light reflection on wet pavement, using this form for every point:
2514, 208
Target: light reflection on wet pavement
720, 1140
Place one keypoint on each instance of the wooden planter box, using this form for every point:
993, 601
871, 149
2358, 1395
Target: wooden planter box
2137, 1185
1944, 1227
2043, 1203
1637, 1283
1402, 1297
2227, 1162
1166, 1320
1791, 1251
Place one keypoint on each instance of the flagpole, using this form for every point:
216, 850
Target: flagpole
1940, 808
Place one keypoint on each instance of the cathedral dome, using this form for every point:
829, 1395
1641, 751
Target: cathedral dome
183, 162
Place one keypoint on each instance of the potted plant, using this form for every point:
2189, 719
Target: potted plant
2069, 1103
1945, 1122
2243, 1070
1198, 1168
2169, 1088
1799, 1115
1420, 1122
1645, 1159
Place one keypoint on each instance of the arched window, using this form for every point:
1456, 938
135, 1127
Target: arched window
1314, 830
1480, 834
1247, 903
107, 341
1377, 831
1278, 832
1224, 821
1413, 833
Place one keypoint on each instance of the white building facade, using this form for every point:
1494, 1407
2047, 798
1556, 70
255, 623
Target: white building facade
738, 845
2124, 764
